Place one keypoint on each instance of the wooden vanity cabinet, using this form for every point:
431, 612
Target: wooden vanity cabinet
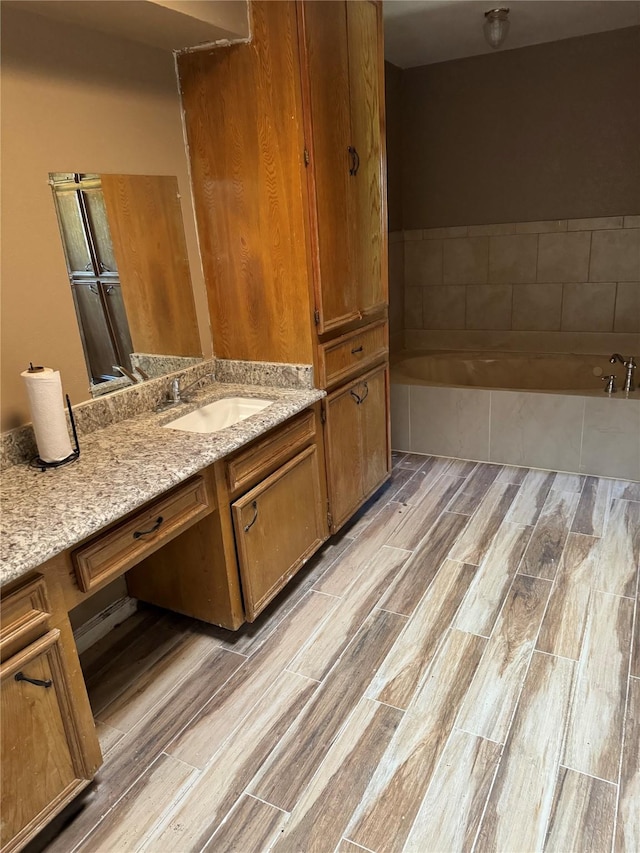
287, 151
48, 746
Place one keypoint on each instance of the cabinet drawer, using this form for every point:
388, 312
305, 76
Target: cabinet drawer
120, 548
25, 613
278, 525
263, 457
352, 353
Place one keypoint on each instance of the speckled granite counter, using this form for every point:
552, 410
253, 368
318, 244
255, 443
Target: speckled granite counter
120, 468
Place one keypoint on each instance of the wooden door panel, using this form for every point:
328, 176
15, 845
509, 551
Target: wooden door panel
364, 29
375, 432
278, 525
328, 133
41, 754
343, 449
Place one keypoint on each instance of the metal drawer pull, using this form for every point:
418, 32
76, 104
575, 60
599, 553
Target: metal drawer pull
248, 527
356, 397
357, 349
139, 533
20, 676
366, 392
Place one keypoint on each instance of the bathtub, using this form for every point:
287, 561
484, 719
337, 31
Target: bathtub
528, 409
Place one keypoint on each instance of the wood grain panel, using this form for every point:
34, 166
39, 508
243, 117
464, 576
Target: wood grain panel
323, 812
258, 825
594, 735
426, 475
549, 535
450, 813
374, 426
475, 488
146, 226
531, 498
620, 550
492, 697
593, 507
566, 617
403, 671
298, 757
628, 822
475, 542
419, 519
525, 780
583, 814
393, 798
243, 123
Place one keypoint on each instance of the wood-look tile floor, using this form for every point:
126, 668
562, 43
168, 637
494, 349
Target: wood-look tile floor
459, 669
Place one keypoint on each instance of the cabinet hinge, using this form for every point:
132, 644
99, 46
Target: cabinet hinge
329, 519
306, 156
316, 317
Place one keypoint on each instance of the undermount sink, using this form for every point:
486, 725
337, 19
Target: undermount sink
219, 414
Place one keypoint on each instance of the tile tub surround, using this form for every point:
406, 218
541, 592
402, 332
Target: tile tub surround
596, 435
19, 445
121, 467
559, 276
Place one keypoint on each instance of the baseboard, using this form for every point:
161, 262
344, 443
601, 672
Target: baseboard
102, 623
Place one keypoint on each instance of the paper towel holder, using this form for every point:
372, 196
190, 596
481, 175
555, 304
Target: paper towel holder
39, 463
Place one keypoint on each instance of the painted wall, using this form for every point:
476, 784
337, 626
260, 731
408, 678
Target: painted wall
544, 132
73, 99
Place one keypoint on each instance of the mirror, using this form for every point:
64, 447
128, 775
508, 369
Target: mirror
126, 256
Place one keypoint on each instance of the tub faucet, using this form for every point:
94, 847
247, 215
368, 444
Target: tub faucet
629, 365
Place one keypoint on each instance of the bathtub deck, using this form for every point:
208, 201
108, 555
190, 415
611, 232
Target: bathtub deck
455, 670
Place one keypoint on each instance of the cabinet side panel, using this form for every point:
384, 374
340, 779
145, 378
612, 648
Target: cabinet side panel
243, 123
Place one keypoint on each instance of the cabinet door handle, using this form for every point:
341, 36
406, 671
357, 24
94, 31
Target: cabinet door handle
353, 168
139, 533
356, 397
366, 392
357, 349
20, 676
248, 527
356, 162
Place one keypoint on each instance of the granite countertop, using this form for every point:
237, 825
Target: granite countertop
120, 468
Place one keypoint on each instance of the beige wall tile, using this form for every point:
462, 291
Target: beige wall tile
413, 308
396, 287
537, 307
396, 236
489, 306
450, 421
415, 234
537, 430
451, 231
564, 257
492, 230
513, 259
632, 222
598, 224
443, 307
400, 439
546, 226
627, 316
466, 260
615, 255
610, 444
423, 262
588, 307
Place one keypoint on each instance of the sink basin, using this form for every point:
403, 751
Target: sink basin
219, 414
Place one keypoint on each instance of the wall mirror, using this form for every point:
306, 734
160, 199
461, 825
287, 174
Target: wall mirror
126, 255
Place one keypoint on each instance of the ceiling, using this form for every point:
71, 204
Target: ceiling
420, 32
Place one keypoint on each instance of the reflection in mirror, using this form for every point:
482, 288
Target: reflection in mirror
126, 256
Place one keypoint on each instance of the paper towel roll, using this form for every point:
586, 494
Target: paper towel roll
48, 414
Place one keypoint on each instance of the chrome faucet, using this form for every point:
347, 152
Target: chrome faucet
179, 395
629, 365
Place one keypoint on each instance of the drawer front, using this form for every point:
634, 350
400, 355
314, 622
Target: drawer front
352, 353
263, 457
24, 615
278, 525
120, 548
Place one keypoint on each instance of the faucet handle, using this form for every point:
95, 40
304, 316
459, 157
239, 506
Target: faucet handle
610, 387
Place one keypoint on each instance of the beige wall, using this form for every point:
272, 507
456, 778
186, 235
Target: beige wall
73, 100
544, 132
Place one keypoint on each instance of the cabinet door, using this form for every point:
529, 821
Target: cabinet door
41, 751
278, 525
344, 452
375, 430
324, 54
367, 132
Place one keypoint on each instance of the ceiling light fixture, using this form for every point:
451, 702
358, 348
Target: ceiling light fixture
496, 26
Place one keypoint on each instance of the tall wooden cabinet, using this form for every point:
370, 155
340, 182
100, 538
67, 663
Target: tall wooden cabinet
286, 139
